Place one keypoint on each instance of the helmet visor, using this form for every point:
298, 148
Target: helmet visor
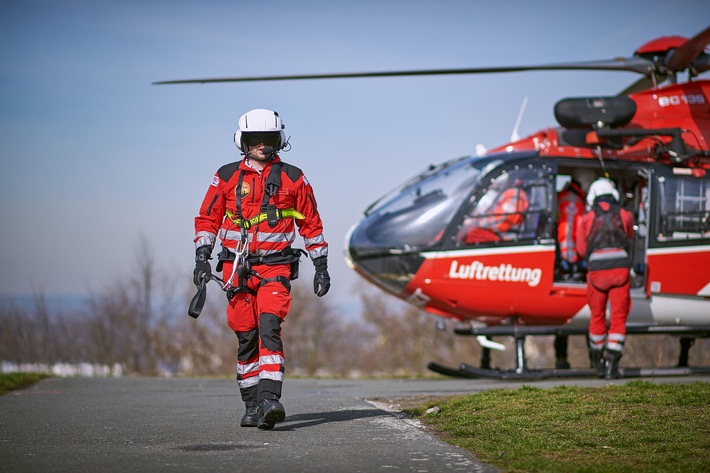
270, 138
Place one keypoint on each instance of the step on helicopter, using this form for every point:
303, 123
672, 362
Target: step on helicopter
652, 140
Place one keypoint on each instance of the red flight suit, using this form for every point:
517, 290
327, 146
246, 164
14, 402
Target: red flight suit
611, 284
571, 206
256, 315
505, 212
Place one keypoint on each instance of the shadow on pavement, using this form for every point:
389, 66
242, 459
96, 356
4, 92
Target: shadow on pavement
300, 421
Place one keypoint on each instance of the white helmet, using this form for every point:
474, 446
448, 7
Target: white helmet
260, 121
585, 177
601, 186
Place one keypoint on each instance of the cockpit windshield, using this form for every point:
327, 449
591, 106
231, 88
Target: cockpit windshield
417, 213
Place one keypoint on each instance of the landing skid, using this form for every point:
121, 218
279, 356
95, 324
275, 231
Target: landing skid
468, 371
521, 371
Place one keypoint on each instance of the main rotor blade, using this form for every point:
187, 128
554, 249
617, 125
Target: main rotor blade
634, 64
680, 58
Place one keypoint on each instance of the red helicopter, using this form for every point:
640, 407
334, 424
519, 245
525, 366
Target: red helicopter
652, 140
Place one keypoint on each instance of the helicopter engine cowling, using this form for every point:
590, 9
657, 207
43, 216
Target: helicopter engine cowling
593, 112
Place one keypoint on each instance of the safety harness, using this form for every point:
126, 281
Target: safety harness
269, 212
243, 261
262, 217
607, 244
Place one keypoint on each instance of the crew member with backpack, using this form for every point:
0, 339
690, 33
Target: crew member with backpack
604, 240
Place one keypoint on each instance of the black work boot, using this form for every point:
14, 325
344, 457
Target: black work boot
612, 365
251, 416
596, 357
272, 411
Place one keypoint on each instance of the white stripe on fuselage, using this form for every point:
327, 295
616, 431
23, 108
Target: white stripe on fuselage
508, 250
678, 249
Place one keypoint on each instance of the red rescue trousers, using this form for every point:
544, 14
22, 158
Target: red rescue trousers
256, 318
608, 285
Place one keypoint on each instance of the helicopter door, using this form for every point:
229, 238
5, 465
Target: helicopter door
678, 256
631, 180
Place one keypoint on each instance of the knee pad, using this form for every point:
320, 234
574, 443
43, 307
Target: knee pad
270, 332
248, 345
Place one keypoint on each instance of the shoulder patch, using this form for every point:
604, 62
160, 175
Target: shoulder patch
215, 181
291, 171
227, 171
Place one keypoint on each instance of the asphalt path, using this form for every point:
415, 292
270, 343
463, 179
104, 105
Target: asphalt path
184, 425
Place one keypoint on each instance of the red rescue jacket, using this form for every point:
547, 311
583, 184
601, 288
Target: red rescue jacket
570, 203
613, 255
294, 193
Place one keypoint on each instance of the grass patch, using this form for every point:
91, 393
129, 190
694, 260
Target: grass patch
637, 427
12, 381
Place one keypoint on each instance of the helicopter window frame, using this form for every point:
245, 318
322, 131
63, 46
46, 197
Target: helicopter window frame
395, 194
682, 209
537, 221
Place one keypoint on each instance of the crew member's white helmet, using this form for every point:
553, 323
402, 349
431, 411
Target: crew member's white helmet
601, 186
585, 177
260, 121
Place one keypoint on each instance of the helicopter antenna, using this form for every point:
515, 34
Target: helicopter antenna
515, 136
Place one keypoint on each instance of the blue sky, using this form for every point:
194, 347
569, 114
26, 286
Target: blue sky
92, 156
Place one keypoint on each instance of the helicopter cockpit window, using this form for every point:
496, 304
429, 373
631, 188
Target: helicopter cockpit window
684, 208
418, 214
515, 206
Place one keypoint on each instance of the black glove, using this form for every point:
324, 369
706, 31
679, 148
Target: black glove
203, 270
321, 281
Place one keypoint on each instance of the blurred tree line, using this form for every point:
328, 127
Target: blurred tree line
124, 329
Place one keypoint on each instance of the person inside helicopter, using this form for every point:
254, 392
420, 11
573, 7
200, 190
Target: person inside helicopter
570, 207
498, 215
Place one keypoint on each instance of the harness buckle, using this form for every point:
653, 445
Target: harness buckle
272, 215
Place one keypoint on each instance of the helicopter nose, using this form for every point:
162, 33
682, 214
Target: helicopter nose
385, 262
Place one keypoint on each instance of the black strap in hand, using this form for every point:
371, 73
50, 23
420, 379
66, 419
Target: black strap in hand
198, 301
